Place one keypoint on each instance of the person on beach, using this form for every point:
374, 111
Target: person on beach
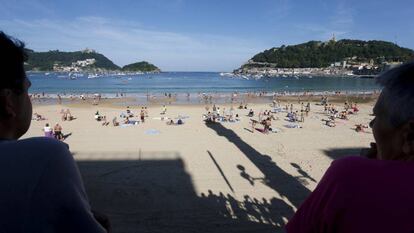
42, 188
69, 116
251, 113
63, 113
142, 115
115, 122
66, 115
145, 111
375, 193
48, 131
267, 123
57, 131
104, 121
302, 116
38, 117
170, 122
128, 112
97, 116
360, 128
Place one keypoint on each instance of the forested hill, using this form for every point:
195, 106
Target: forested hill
317, 54
141, 67
45, 61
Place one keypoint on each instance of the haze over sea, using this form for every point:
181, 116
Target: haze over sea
192, 82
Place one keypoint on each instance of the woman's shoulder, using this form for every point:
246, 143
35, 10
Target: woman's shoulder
347, 167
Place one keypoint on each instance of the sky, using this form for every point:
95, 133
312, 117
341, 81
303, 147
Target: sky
200, 35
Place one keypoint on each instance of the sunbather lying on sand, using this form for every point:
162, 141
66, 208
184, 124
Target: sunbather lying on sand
360, 127
38, 117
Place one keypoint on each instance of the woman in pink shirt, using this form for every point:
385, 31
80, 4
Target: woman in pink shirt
373, 194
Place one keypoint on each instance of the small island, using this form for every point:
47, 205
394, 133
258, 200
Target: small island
142, 66
330, 58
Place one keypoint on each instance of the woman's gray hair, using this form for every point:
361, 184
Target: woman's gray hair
398, 93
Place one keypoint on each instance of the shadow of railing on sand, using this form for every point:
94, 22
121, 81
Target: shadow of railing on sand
158, 195
337, 153
274, 177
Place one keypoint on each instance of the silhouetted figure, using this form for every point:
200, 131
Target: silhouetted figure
372, 194
41, 188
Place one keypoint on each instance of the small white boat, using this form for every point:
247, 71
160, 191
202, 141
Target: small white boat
93, 76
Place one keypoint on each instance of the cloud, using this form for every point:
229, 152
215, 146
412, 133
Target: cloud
126, 42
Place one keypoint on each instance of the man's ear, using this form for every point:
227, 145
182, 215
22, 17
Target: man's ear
408, 138
7, 104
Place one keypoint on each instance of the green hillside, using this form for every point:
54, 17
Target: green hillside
317, 54
44, 61
141, 67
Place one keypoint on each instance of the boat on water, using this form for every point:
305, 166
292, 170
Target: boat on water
226, 74
93, 76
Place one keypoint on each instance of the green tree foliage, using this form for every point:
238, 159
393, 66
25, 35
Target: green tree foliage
44, 61
317, 54
140, 66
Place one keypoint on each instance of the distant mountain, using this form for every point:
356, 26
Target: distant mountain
141, 67
317, 54
57, 60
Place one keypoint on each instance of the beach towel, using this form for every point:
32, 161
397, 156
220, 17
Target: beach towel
293, 126
152, 132
131, 123
276, 110
126, 125
276, 130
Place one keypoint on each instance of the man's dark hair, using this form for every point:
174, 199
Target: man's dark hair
12, 58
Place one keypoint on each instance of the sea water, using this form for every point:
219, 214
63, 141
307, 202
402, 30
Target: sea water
191, 82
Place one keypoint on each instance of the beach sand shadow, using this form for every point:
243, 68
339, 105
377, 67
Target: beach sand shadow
337, 153
159, 196
274, 177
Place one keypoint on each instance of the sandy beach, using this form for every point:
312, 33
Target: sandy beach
198, 177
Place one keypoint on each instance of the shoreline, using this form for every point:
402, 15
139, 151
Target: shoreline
200, 99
